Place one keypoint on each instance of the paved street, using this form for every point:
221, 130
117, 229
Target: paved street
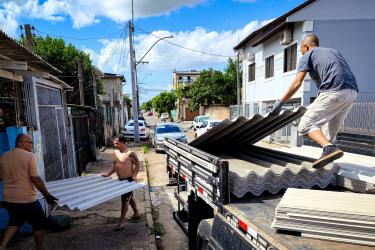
94, 228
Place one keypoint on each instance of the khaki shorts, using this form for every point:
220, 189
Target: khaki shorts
327, 112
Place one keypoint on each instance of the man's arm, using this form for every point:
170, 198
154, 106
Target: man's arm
296, 84
39, 184
110, 172
136, 164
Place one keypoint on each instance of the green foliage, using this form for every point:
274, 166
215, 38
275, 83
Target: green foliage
64, 57
128, 101
214, 87
165, 102
147, 105
100, 90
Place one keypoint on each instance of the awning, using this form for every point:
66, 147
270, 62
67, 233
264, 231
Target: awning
85, 192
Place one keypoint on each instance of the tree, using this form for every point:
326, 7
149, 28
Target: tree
214, 87
64, 57
165, 102
147, 105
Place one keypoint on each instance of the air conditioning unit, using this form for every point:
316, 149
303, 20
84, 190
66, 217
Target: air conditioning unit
250, 57
286, 37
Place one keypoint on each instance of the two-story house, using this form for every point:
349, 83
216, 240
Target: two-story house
271, 53
113, 104
183, 80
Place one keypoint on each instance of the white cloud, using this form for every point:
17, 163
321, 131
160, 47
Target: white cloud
165, 56
84, 12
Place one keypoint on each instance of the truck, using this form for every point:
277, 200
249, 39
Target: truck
210, 216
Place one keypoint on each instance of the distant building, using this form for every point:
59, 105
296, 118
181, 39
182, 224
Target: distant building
113, 104
183, 80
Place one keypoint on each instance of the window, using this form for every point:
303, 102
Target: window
290, 58
252, 72
269, 67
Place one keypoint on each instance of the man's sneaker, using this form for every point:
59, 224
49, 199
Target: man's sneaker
330, 153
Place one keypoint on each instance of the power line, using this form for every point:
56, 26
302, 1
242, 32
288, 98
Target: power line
183, 47
76, 38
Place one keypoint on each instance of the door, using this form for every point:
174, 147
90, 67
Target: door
53, 132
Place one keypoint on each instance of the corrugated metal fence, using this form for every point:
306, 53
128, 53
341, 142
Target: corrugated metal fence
361, 119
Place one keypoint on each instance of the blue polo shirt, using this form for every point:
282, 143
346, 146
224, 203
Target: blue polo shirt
328, 69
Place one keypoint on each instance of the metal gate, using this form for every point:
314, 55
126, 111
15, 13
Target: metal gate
53, 132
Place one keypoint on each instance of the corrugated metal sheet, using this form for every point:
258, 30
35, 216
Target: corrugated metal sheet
255, 170
242, 131
84, 192
339, 216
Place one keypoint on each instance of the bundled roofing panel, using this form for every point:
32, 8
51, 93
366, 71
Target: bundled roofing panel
339, 216
254, 169
84, 192
243, 131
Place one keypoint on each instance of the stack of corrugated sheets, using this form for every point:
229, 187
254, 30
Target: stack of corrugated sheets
257, 170
338, 216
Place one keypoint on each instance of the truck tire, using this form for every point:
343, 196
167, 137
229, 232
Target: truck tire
204, 234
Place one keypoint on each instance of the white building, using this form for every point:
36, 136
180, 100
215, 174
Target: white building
270, 54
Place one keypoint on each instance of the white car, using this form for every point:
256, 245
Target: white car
128, 131
198, 120
206, 125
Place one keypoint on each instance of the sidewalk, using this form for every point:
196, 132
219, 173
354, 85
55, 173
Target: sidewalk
94, 228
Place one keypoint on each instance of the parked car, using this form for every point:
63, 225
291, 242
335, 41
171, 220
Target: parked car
206, 125
198, 120
164, 116
164, 130
128, 131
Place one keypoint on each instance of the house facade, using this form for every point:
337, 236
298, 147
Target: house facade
183, 80
33, 101
113, 105
271, 54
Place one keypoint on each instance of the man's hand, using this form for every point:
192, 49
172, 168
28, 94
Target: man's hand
276, 108
51, 199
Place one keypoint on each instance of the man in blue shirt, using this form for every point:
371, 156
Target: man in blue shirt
337, 92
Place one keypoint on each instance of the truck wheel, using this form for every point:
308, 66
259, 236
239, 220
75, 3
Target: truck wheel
204, 234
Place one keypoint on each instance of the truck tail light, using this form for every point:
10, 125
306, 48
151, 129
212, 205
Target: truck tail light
242, 225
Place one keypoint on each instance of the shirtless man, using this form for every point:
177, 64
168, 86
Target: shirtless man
126, 166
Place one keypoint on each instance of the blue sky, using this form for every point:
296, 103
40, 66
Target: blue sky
98, 27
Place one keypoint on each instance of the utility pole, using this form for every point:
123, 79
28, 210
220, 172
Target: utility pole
238, 80
80, 82
95, 90
29, 41
134, 83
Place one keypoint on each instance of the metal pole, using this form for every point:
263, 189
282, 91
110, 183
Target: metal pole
134, 83
238, 80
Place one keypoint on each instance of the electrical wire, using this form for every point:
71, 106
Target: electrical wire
183, 47
76, 38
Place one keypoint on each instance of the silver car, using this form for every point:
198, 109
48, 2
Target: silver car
164, 130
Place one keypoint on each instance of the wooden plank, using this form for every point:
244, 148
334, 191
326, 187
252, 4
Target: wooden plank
10, 75
14, 65
32, 73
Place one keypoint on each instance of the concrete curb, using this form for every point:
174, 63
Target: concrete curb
148, 212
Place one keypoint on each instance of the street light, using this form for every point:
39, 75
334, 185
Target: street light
162, 38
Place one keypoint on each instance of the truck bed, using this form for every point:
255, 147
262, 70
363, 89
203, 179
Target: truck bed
259, 213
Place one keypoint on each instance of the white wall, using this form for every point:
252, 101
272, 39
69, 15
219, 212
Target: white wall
271, 88
355, 40
336, 10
